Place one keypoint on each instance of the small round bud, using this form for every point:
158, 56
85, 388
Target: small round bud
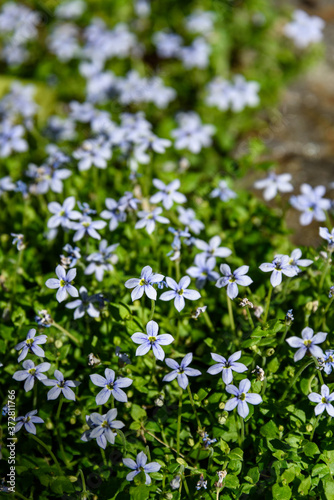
58, 344
270, 352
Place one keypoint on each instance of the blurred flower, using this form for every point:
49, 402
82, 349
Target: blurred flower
167, 194
304, 29
223, 192
311, 203
273, 184
188, 218
212, 249
148, 219
87, 227
203, 270
18, 241
295, 260
84, 305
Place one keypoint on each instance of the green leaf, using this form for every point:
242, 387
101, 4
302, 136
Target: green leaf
269, 430
253, 475
304, 486
137, 413
140, 492
310, 449
281, 492
328, 485
231, 482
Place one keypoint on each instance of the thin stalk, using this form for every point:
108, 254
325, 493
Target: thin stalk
300, 371
194, 407
84, 491
177, 270
65, 332
104, 457
152, 309
315, 425
164, 444
39, 441
323, 276
19, 495
284, 335
237, 429
230, 312
267, 304
186, 487
250, 319
179, 416
242, 430
61, 399
321, 380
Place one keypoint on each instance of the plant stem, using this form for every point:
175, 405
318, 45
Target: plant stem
237, 429
321, 380
177, 270
179, 416
300, 371
84, 491
152, 309
39, 441
19, 495
194, 407
284, 335
104, 457
230, 312
242, 430
315, 425
268, 304
61, 399
323, 276
186, 487
164, 444
68, 334
250, 317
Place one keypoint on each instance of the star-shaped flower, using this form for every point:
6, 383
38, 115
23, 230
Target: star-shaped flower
152, 340
308, 343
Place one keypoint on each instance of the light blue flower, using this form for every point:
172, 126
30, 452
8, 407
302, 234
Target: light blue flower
324, 401
311, 203
167, 194
227, 366
296, 261
110, 386
188, 217
328, 361
151, 340
280, 265
179, 292
181, 371
232, 280
223, 192
63, 214
203, 270
31, 344
115, 212
103, 427
144, 284
63, 283
84, 305
139, 466
308, 344
241, 398
212, 249
148, 219
31, 373
28, 422
86, 226
60, 386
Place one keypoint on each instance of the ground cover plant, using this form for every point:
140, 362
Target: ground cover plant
161, 337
